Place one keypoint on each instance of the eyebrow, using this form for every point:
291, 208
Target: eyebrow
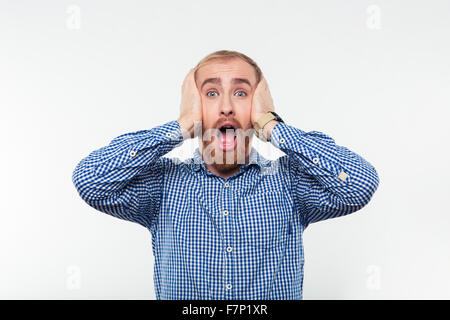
219, 82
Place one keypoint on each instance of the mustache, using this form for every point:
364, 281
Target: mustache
221, 121
213, 133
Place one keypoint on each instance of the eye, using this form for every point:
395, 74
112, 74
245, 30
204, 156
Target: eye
245, 93
208, 93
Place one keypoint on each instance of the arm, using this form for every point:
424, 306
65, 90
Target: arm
327, 180
125, 178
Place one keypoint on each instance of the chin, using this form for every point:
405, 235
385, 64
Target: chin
226, 167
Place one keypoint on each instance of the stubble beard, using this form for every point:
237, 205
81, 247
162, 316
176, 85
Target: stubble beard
226, 161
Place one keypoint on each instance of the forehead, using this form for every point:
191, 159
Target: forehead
226, 70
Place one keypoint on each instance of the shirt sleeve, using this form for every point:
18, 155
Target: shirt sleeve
327, 180
125, 178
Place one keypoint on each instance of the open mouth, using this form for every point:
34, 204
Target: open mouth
227, 136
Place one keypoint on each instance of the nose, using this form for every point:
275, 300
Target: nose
226, 107
226, 112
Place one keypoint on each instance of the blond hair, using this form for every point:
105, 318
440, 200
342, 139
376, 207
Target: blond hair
226, 55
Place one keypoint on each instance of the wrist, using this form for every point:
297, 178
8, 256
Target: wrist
186, 127
264, 124
269, 127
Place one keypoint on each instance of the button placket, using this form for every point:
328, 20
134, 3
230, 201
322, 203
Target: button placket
227, 227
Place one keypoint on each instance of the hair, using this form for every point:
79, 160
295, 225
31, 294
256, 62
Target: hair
227, 55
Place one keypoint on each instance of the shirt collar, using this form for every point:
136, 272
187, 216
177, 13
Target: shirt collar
254, 159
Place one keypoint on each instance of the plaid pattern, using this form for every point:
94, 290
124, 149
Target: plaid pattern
235, 238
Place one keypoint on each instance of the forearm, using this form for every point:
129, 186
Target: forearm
106, 170
345, 181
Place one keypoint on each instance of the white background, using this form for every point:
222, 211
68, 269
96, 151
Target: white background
374, 75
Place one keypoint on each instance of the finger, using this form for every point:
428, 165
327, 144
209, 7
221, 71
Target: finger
189, 75
186, 79
264, 81
193, 80
262, 77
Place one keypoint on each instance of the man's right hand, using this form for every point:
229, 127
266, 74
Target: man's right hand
190, 119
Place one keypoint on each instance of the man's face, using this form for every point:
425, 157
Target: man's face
226, 88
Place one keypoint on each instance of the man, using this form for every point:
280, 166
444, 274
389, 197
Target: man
226, 223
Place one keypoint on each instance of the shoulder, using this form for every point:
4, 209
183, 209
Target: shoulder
175, 164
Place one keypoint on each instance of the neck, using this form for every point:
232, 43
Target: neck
224, 171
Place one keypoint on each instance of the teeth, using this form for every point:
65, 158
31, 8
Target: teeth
226, 128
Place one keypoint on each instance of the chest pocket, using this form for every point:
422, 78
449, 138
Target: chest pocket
264, 219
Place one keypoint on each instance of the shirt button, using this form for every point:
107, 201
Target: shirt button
281, 140
228, 286
343, 176
169, 135
316, 160
229, 249
225, 212
132, 153
226, 184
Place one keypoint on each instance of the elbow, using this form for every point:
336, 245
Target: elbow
76, 178
83, 183
359, 195
364, 191
79, 179
370, 185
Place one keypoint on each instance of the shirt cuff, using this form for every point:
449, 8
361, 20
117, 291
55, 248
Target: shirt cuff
173, 130
168, 136
275, 134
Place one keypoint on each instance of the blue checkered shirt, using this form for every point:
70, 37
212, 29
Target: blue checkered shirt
234, 238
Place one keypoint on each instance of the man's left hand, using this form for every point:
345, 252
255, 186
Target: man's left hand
262, 101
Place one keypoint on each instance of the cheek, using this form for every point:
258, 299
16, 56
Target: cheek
208, 114
244, 115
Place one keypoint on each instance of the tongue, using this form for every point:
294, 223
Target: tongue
227, 137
